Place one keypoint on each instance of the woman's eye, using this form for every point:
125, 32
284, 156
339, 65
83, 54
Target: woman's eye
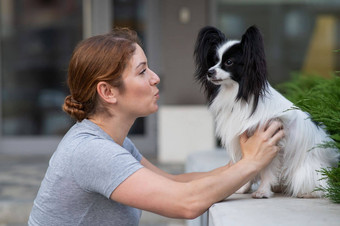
142, 72
228, 62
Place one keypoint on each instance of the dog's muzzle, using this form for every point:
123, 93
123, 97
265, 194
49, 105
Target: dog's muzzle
211, 73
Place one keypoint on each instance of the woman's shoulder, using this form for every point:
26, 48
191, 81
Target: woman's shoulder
86, 139
78, 137
84, 131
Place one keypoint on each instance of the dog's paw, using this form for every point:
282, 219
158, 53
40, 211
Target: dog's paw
262, 194
309, 195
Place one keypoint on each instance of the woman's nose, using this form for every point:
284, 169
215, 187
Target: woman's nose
154, 78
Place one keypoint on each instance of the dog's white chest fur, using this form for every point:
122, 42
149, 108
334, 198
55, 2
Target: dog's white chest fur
234, 117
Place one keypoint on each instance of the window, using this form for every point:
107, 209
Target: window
298, 35
37, 40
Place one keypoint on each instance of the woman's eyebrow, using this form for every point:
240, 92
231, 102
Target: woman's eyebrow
142, 63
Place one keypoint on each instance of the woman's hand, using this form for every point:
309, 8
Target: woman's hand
262, 147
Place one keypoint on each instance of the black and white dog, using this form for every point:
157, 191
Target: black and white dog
234, 76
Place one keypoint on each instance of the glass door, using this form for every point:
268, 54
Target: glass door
36, 41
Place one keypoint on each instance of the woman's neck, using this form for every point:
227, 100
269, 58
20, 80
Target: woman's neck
116, 127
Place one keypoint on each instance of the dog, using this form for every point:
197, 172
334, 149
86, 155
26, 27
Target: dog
233, 74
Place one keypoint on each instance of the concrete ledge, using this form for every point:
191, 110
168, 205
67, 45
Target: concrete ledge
242, 209
206, 160
183, 130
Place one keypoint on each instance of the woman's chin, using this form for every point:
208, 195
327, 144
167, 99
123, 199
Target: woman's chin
152, 111
155, 109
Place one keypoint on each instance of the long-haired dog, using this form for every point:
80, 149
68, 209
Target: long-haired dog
234, 76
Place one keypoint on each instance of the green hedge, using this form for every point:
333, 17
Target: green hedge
320, 97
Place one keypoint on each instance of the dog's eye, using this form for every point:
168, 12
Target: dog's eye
229, 62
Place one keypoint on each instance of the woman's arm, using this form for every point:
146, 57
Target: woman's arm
154, 192
186, 177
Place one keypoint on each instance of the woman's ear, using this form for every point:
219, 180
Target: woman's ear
107, 92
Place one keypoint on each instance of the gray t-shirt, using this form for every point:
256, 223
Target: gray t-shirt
83, 172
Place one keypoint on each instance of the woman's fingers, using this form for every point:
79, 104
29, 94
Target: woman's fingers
277, 137
273, 128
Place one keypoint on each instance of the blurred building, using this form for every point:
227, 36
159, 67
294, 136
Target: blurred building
37, 38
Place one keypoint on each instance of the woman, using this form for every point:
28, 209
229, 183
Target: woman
97, 176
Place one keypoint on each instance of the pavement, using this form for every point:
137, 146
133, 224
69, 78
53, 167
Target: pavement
20, 178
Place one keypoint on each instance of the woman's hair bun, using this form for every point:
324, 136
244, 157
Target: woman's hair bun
74, 108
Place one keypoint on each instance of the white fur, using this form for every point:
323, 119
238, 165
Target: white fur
221, 74
295, 167
226, 46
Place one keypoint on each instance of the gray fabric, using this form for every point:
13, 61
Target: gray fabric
83, 172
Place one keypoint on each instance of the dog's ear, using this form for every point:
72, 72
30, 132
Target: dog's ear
254, 79
205, 54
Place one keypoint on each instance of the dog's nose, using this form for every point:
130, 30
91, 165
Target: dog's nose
211, 73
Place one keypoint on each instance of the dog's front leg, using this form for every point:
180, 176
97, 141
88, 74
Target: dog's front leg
269, 178
264, 190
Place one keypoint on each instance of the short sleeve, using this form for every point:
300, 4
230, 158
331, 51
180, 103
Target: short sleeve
100, 165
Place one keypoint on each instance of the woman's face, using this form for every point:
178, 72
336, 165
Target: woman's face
140, 93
